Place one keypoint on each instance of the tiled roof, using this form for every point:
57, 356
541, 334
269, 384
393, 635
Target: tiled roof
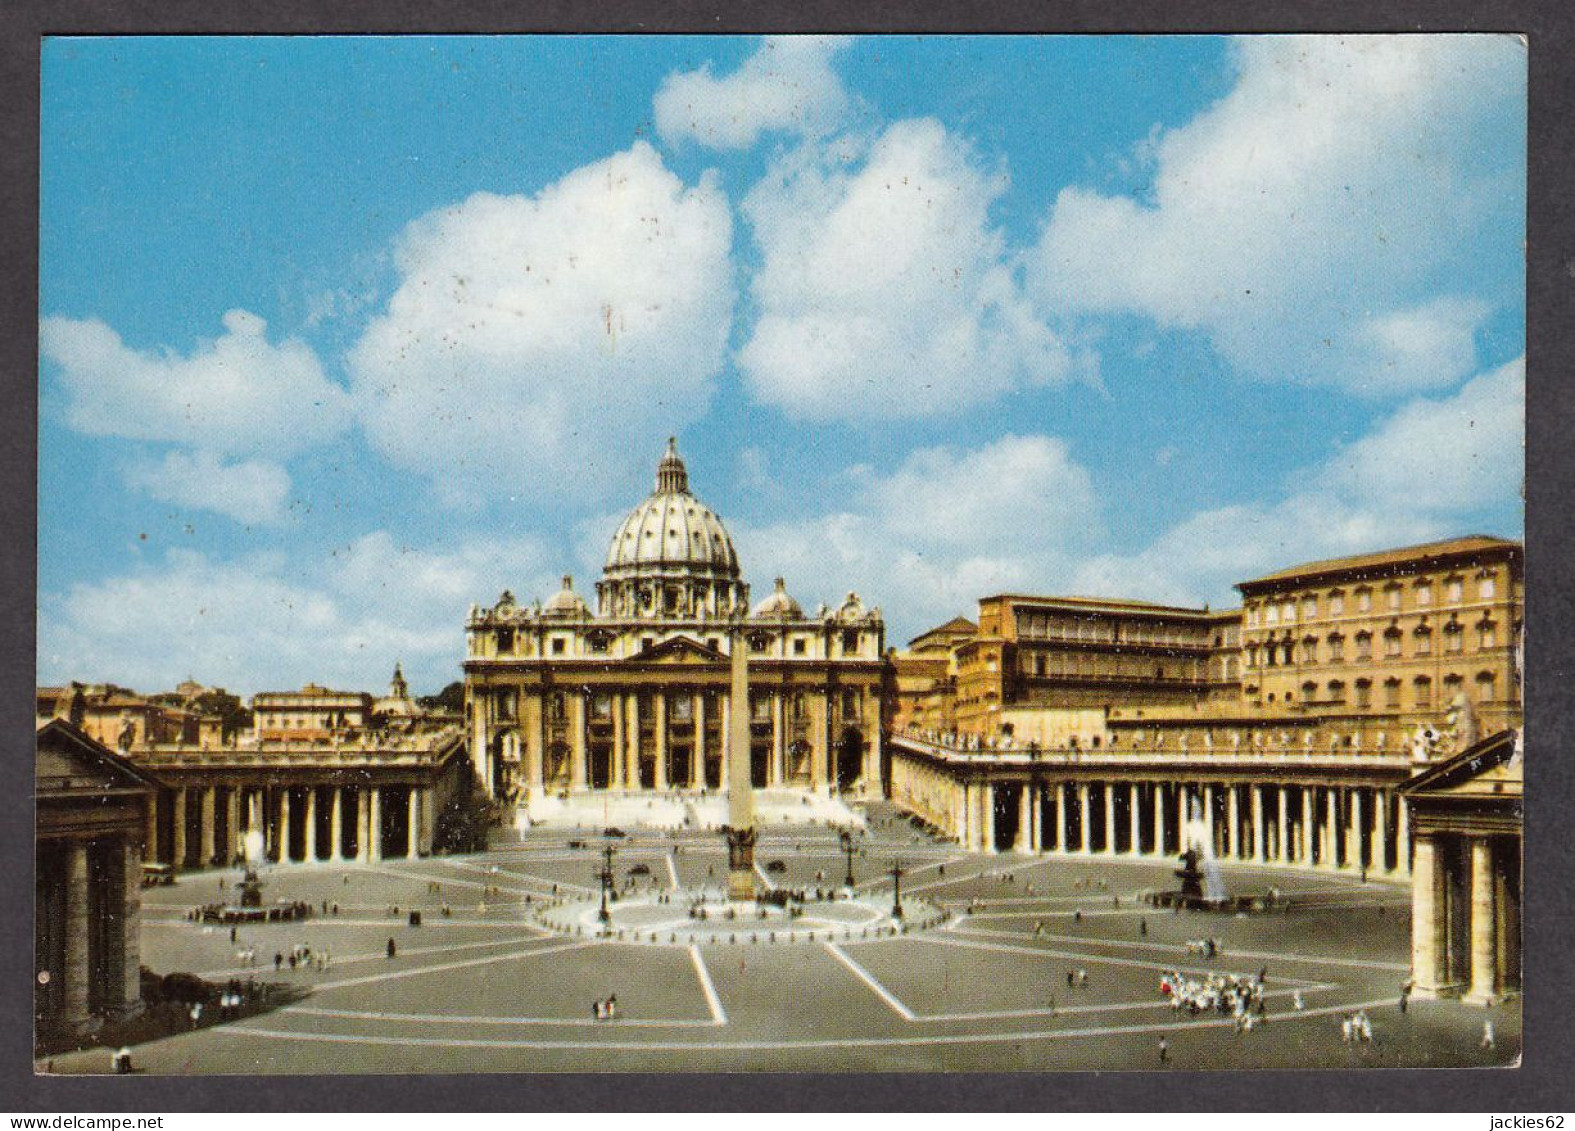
1404, 555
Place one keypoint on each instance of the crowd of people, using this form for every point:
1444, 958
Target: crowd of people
1234, 995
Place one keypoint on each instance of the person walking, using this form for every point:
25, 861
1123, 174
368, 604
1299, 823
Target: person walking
392, 949
1488, 1041
1164, 1051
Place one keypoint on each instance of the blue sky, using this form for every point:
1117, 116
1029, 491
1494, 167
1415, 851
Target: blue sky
339, 336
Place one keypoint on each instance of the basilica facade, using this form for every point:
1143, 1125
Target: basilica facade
629, 690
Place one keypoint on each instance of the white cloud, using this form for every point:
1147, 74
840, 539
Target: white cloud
787, 85
249, 491
272, 621
941, 530
1418, 475
235, 394
884, 288
1309, 220
548, 343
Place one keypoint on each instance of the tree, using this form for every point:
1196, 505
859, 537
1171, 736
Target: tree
228, 707
451, 698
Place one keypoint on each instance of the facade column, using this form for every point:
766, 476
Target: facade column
1356, 830
311, 824
778, 773
78, 971
1402, 838
1083, 839
727, 736
1036, 816
620, 716
1024, 841
413, 824
374, 824
178, 832
660, 779
1484, 929
336, 826
1428, 924
578, 777
697, 759
284, 824
631, 765
1331, 824
1233, 820
1282, 824
987, 816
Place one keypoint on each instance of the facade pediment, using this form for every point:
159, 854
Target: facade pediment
679, 650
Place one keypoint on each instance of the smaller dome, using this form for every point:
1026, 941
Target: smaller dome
566, 602
779, 604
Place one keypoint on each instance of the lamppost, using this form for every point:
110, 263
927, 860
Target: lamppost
847, 848
606, 876
896, 889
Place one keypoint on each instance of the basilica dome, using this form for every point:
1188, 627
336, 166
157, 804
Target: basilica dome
671, 556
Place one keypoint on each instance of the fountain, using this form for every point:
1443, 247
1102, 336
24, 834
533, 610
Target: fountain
250, 909
1202, 881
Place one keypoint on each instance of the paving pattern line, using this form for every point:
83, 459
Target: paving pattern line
714, 1003
464, 1019
672, 872
869, 980
1081, 956
442, 967
1169, 1027
368, 956
528, 877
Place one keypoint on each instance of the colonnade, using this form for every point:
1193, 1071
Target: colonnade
1349, 828
1465, 921
202, 825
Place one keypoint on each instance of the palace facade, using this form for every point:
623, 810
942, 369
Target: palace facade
1096, 727
633, 693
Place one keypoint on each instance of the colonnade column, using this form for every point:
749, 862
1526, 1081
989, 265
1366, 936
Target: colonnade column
150, 836
374, 824
631, 765
1083, 840
363, 810
987, 816
1402, 838
1110, 818
232, 821
207, 812
311, 824
336, 826
1484, 931
1260, 832
1062, 843
413, 824
660, 780
1159, 818
1353, 856
178, 837
578, 778
1309, 823
284, 825
1428, 927
1134, 818
1381, 832
1282, 851
778, 772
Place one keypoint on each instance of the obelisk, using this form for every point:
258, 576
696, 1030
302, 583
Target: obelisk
740, 791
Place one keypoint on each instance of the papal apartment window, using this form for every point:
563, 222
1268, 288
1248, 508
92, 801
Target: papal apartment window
1457, 589
1337, 647
1424, 594
1271, 614
1364, 646
1364, 600
1288, 611
1336, 603
1310, 608
1392, 642
1424, 691
1486, 636
1424, 641
1452, 638
1392, 693
1486, 589
1364, 693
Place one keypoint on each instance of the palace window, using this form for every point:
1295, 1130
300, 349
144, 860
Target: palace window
1392, 643
1392, 595
1424, 593
1364, 600
1364, 693
1487, 635
1309, 649
1456, 589
759, 643
1391, 693
1288, 611
1336, 691
1271, 614
1336, 602
1423, 640
1452, 637
601, 706
505, 640
714, 643
1364, 645
1424, 691
1309, 691
1309, 607
1486, 589
799, 646
1485, 692
1336, 647
1453, 685
1252, 616
850, 640
558, 645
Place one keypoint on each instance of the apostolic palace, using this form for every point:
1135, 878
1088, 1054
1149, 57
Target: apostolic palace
1360, 714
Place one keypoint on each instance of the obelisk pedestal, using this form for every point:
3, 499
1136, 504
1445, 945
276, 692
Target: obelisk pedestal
740, 791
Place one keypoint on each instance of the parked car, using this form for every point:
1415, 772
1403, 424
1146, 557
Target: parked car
612, 831
157, 875
640, 870
776, 866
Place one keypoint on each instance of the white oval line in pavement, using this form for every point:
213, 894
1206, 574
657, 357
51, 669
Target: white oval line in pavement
367, 956
1171, 1027
442, 967
718, 1014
